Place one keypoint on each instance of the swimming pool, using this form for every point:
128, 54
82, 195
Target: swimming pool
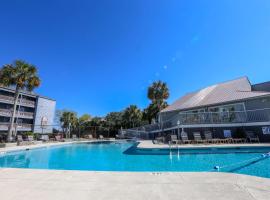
124, 156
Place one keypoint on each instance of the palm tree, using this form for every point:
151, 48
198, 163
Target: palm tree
22, 76
158, 92
132, 116
69, 121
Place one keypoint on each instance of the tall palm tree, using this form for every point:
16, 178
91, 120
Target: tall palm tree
132, 116
158, 92
22, 76
69, 121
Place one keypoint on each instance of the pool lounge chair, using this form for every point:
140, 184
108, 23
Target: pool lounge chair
19, 138
174, 139
184, 138
159, 140
198, 138
74, 137
101, 137
59, 139
90, 137
44, 138
30, 139
251, 137
209, 137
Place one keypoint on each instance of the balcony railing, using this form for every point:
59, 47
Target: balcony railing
8, 113
4, 126
23, 102
230, 117
260, 115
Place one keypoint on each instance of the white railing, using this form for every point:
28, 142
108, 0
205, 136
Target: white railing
248, 116
4, 125
24, 102
8, 113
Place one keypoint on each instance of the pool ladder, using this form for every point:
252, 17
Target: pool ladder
171, 153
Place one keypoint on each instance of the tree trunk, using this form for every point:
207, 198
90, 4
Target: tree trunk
10, 130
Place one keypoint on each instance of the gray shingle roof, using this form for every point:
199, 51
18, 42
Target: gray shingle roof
234, 90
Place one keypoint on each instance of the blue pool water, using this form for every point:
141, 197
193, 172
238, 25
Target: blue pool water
124, 156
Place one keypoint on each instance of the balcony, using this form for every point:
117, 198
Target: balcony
8, 113
20, 127
249, 116
209, 118
23, 102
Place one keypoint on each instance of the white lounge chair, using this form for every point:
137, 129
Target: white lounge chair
198, 138
209, 137
74, 137
252, 137
44, 138
174, 139
101, 137
184, 138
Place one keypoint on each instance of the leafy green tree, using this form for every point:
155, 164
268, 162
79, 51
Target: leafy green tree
82, 122
114, 120
22, 76
132, 116
69, 121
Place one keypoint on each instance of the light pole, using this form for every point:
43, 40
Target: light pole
178, 125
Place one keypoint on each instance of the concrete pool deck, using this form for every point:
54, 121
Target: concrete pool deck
32, 184
43, 145
148, 144
29, 184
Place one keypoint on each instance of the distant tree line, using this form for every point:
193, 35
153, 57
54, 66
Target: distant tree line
130, 117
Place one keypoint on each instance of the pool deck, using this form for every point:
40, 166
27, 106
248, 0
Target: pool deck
34, 184
29, 184
44, 145
148, 144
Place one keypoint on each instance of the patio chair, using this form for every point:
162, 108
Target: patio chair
252, 137
101, 137
197, 137
19, 138
30, 139
209, 137
59, 139
74, 137
184, 138
44, 138
159, 140
90, 137
174, 139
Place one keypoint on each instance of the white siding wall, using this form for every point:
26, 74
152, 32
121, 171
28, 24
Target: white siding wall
45, 108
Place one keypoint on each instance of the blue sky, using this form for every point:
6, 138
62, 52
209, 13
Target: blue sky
97, 56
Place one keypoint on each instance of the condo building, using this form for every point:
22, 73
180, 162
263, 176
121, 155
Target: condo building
233, 107
34, 113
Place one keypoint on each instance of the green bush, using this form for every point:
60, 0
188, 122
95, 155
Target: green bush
29, 133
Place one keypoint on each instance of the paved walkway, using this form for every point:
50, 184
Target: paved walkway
149, 144
27, 184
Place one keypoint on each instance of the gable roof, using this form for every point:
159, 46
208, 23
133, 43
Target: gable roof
234, 90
